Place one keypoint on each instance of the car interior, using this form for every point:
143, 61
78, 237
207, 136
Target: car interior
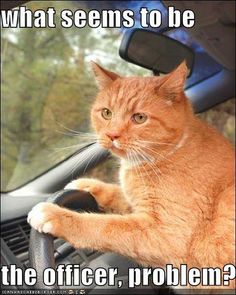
158, 51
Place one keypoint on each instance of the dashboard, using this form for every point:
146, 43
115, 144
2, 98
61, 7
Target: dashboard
15, 248
15, 240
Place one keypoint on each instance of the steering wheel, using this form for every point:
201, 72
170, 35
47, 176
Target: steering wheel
41, 246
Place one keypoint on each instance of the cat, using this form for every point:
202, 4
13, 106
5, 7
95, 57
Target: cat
175, 202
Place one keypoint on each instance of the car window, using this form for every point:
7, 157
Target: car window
222, 117
47, 90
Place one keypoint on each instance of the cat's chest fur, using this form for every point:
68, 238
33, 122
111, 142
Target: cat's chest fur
139, 183
172, 199
159, 197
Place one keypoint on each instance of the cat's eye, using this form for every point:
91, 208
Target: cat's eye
139, 118
106, 114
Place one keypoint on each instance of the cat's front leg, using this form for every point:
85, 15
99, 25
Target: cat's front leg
124, 234
108, 196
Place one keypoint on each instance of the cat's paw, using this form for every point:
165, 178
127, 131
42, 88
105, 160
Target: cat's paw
45, 218
72, 185
93, 186
98, 189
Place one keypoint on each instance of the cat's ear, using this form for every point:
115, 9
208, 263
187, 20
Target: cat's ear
103, 76
173, 83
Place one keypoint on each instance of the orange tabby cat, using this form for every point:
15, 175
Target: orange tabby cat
175, 201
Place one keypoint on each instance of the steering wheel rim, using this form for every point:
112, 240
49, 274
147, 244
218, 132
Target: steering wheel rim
41, 246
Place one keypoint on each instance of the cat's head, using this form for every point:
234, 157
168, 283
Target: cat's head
145, 115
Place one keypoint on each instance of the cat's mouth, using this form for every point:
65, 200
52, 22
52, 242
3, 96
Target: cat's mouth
114, 146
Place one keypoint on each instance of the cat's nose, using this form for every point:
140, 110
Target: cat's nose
113, 135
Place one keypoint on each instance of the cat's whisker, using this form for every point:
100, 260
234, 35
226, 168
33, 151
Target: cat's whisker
76, 164
75, 132
155, 142
65, 151
70, 133
142, 152
67, 128
89, 161
134, 161
83, 159
71, 148
75, 146
156, 153
79, 135
147, 156
154, 167
139, 172
130, 157
144, 158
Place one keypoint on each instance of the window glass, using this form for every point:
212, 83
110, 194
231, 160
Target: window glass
47, 90
222, 117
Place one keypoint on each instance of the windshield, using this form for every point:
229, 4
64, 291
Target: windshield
48, 87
